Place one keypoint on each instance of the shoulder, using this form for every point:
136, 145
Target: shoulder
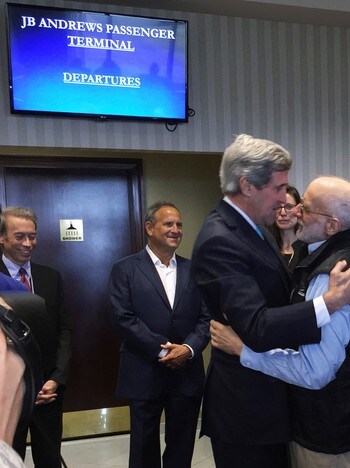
182, 260
221, 223
43, 269
131, 260
45, 277
335, 249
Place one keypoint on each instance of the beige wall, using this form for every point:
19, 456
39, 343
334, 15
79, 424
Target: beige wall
189, 180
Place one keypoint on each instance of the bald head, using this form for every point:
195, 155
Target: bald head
326, 209
330, 195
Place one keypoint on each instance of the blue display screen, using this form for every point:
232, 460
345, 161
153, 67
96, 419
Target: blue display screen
96, 64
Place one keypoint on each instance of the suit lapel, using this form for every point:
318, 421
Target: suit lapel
265, 248
181, 280
40, 286
144, 262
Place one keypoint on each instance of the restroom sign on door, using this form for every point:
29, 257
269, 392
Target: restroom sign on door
71, 230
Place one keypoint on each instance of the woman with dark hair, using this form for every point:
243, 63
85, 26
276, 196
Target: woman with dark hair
286, 225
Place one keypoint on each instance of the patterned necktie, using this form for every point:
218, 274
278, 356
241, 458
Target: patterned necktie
23, 275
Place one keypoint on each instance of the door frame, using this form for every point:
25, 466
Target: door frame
88, 422
133, 167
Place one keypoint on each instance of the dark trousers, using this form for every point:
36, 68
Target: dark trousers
45, 433
181, 415
249, 456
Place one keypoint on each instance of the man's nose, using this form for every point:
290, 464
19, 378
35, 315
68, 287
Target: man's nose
176, 228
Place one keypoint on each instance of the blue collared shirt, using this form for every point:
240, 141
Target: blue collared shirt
13, 269
312, 366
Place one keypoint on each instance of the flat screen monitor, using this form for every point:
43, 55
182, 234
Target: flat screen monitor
74, 62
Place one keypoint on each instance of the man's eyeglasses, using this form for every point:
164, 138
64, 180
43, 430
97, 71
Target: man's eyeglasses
305, 209
288, 208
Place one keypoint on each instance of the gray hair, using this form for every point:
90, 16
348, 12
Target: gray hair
18, 212
254, 159
151, 210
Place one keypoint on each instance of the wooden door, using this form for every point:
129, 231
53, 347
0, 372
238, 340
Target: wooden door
107, 197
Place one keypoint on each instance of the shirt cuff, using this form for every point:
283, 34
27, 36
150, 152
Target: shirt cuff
321, 311
189, 347
244, 358
164, 352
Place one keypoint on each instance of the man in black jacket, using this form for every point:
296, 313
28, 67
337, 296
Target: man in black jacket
245, 283
18, 227
320, 416
158, 311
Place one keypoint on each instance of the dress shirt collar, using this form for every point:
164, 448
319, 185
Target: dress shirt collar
312, 247
156, 260
13, 268
241, 212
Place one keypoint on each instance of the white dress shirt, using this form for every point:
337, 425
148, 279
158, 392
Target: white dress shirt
167, 275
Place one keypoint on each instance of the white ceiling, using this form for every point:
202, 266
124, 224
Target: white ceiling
331, 12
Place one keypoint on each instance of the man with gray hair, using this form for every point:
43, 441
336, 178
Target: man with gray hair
319, 440
18, 238
245, 284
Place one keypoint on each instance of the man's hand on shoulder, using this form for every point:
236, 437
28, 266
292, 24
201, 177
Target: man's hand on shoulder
338, 294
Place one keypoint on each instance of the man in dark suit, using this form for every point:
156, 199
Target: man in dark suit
158, 310
18, 239
245, 283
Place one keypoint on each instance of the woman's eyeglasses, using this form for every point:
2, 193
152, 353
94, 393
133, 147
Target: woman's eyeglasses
288, 208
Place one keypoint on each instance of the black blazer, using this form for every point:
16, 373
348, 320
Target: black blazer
243, 278
141, 312
56, 347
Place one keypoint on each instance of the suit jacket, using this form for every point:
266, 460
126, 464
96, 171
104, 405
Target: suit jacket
244, 278
55, 344
141, 312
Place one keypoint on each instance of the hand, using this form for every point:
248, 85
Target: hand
225, 339
338, 294
12, 388
177, 355
47, 393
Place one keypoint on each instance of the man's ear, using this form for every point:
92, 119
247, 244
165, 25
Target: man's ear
245, 187
148, 228
333, 226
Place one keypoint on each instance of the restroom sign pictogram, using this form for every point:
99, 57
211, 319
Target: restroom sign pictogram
71, 230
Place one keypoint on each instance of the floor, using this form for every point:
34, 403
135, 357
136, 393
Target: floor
112, 452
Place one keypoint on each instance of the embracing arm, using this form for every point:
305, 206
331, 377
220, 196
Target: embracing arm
243, 287
311, 366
